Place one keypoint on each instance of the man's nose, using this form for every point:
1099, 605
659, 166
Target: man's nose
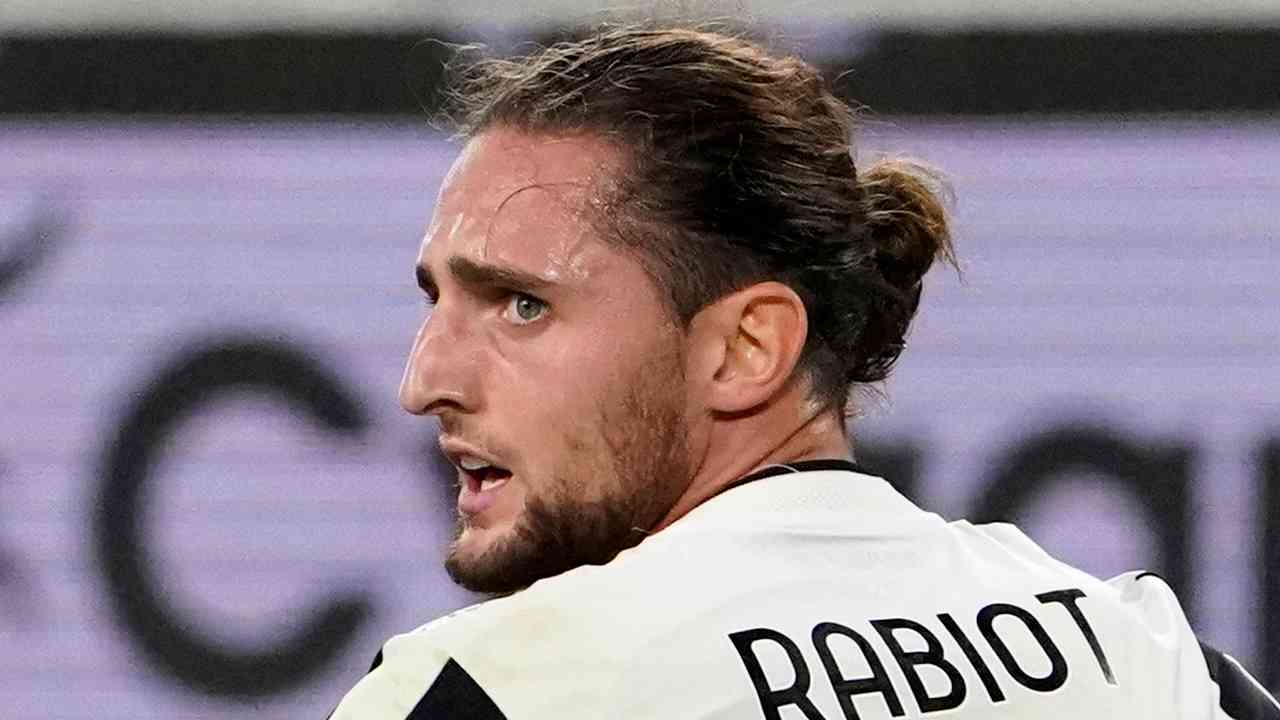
440, 372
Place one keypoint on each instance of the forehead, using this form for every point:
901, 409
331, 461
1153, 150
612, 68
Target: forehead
514, 197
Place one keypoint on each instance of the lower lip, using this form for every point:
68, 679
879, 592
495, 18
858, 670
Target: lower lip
472, 501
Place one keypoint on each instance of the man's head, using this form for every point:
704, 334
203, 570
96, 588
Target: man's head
652, 240
548, 356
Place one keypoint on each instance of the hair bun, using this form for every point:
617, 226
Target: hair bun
906, 221
903, 231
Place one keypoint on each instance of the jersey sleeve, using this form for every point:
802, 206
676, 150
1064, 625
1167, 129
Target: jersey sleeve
1208, 684
1240, 697
415, 679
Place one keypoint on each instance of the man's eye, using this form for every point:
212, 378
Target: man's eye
523, 309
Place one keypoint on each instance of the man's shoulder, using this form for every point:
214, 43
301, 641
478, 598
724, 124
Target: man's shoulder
447, 667
563, 640
549, 612
546, 613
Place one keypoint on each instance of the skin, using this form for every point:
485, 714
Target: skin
613, 421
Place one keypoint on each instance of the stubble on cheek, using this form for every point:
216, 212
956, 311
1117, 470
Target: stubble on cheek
616, 478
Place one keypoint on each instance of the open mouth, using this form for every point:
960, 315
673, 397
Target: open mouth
478, 477
480, 480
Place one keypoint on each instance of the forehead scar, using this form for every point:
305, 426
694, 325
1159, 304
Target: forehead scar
569, 247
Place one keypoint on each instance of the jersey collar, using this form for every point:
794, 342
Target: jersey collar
827, 495
799, 466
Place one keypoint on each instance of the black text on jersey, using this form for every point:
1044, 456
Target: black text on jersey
775, 694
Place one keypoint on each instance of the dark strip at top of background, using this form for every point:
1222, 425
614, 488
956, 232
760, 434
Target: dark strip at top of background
897, 72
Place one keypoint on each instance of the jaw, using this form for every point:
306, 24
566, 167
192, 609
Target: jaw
474, 546
491, 559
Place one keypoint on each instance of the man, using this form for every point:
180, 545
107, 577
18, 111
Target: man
657, 277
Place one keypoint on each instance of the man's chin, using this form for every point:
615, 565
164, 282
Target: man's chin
486, 560
474, 543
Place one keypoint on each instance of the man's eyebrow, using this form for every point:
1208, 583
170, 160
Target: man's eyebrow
469, 272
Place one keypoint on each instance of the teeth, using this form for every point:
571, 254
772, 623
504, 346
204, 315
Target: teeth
470, 463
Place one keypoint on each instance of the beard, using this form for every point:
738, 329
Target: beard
590, 510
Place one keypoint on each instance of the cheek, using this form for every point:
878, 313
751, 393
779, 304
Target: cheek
560, 424
562, 431
557, 394
569, 378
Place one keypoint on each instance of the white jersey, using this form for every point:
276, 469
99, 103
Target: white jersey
819, 593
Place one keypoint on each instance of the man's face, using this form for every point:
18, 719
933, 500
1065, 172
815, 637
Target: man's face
551, 361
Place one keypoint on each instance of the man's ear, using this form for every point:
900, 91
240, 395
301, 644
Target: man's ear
752, 340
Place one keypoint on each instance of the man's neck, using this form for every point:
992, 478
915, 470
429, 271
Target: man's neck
740, 446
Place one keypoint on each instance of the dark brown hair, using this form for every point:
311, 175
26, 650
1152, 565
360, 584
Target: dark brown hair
738, 168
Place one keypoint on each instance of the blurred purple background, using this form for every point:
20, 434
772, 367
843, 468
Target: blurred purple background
1120, 277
